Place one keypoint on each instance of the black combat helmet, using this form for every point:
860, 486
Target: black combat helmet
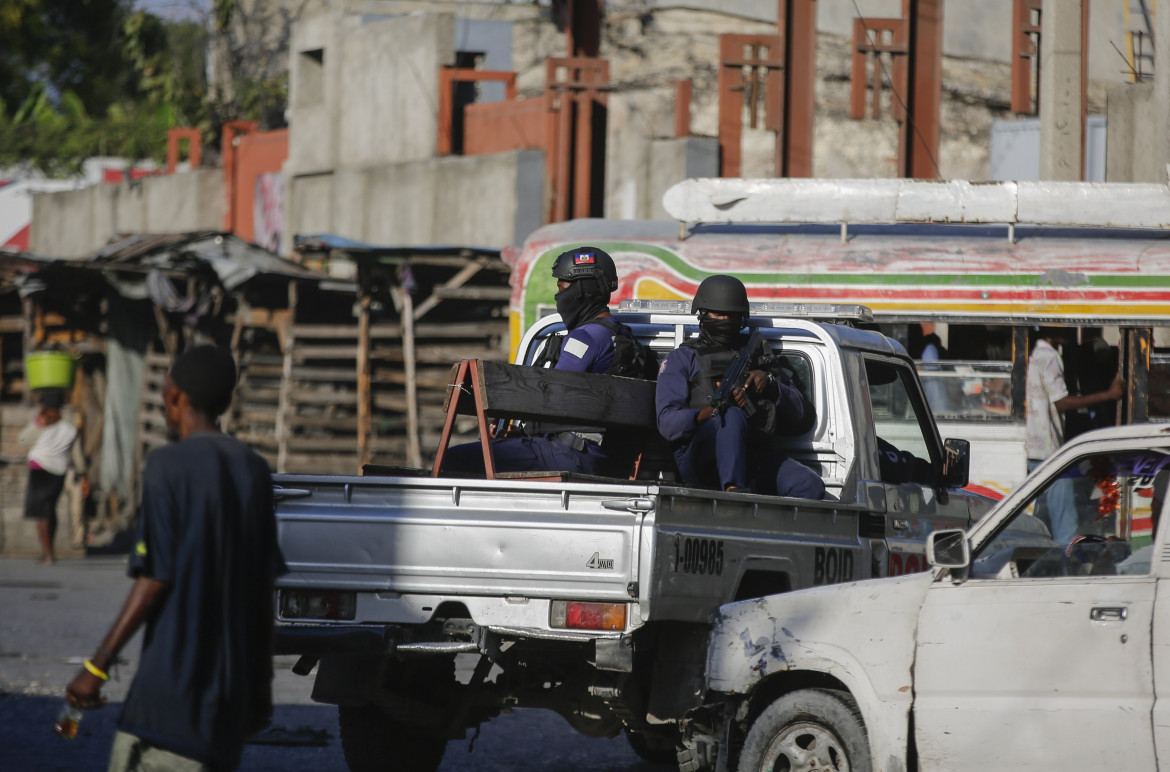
721, 294
587, 263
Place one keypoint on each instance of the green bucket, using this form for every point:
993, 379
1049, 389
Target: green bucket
49, 370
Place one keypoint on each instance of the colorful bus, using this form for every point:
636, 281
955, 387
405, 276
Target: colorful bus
985, 288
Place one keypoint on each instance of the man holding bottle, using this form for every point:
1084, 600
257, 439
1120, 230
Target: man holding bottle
203, 567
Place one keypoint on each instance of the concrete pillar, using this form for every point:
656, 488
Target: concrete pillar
1159, 136
1061, 124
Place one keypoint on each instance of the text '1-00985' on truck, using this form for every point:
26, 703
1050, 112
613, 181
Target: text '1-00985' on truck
591, 596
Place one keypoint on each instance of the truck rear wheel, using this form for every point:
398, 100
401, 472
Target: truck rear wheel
374, 742
810, 729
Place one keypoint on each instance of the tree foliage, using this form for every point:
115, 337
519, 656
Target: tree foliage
251, 41
80, 78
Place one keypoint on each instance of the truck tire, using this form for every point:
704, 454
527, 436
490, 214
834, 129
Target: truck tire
654, 748
373, 742
806, 730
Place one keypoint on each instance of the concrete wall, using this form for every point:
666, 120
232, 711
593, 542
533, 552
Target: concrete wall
364, 134
1138, 143
675, 160
76, 222
489, 201
975, 30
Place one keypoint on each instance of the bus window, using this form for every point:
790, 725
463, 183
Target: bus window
1160, 386
979, 391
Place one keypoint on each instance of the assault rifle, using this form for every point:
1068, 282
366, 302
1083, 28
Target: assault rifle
756, 352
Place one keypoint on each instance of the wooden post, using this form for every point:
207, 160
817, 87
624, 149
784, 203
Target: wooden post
1020, 355
413, 445
284, 404
29, 341
243, 311
364, 397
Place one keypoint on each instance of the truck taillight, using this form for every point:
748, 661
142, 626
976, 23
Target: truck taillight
296, 604
587, 616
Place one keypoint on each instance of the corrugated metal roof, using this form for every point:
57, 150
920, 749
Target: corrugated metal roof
234, 260
323, 242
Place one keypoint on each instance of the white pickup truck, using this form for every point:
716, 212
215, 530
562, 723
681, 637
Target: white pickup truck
591, 596
1012, 653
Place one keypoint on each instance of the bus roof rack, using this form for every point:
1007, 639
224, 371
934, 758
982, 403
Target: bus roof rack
851, 313
855, 201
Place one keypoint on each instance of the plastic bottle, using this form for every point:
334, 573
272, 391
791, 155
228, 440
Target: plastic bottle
68, 720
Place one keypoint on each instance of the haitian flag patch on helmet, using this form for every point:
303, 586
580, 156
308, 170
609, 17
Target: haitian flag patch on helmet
584, 259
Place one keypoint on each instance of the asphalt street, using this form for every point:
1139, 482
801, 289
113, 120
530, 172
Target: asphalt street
53, 617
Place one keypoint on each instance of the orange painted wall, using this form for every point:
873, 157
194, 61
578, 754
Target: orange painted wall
497, 127
256, 208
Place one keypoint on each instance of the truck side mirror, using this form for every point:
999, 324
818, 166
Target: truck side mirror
948, 549
956, 463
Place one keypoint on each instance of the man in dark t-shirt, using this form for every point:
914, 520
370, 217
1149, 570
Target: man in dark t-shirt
203, 567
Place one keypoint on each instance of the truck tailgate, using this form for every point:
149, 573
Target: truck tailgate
454, 537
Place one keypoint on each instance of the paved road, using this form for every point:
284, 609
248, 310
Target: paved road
51, 617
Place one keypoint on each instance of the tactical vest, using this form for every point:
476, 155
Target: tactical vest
630, 359
713, 360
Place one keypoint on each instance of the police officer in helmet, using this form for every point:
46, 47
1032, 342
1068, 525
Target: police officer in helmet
586, 276
728, 451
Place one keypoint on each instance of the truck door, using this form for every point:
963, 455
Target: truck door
1042, 658
907, 464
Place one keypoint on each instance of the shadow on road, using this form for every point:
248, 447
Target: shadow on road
534, 741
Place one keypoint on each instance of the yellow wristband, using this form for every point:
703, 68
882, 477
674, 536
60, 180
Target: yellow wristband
97, 671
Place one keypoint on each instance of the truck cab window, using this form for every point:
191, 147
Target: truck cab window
903, 450
1099, 517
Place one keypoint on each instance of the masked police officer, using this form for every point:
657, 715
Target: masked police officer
729, 450
596, 343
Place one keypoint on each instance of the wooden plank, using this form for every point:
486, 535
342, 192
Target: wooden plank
284, 398
317, 331
310, 373
348, 425
456, 281
480, 329
500, 294
320, 463
321, 397
590, 399
395, 402
363, 381
437, 381
270, 396
334, 444
445, 353
258, 439
302, 353
413, 451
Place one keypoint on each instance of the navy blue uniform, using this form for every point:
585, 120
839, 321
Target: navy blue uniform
587, 349
725, 450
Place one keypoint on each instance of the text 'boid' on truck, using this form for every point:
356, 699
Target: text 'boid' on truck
590, 596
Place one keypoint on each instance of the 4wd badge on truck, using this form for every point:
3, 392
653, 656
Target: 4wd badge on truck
599, 562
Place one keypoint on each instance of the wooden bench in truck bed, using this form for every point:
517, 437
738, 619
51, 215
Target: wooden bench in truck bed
493, 390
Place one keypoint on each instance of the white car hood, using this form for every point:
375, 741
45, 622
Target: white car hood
861, 633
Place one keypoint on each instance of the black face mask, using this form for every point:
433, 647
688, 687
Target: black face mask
575, 305
724, 332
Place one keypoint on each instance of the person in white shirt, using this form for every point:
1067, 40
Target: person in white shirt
1047, 399
53, 447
